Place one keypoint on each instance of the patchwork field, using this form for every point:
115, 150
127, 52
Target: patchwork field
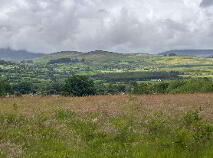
151, 126
60, 66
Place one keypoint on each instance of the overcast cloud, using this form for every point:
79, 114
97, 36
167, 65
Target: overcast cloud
114, 25
206, 3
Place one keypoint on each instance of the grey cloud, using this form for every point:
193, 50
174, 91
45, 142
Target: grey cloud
206, 3
121, 25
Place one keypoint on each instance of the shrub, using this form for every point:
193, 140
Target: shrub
189, 133
79, 86
194, 132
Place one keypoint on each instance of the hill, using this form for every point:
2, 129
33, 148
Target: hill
97, 56
104, 66
189, 52
10, 54
58, 55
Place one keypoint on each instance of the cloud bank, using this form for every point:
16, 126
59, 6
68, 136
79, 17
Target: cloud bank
121, 25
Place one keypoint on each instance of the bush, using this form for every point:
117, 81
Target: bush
79, 86
187, 134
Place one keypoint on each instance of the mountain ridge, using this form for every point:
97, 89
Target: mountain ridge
19, 55
11, 54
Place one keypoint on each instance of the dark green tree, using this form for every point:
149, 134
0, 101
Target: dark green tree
54, 88
23, 88
79, 86
116, 88
5, 88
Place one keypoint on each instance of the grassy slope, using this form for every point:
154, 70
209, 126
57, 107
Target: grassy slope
47, 58
183, 60
98, 58
106, 126
107, 57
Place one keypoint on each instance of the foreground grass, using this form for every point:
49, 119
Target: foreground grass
153, 126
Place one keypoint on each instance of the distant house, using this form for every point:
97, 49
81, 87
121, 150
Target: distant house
156, 80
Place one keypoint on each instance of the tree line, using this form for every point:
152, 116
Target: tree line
137, 76
84, 86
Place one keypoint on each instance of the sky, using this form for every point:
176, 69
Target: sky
142, 26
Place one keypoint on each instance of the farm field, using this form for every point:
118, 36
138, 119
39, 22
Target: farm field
137, 126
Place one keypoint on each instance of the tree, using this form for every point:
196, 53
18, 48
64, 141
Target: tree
5, 88
79, 86
115, 88
23, 87
54, 88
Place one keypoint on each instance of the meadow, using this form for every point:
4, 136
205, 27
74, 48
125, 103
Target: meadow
131, 126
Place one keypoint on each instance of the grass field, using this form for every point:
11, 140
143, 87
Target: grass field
151, 126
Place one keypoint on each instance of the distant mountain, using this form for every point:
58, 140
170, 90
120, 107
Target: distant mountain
189, 52
10, 54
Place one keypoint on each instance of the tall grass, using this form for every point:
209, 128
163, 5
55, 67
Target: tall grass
125, 127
